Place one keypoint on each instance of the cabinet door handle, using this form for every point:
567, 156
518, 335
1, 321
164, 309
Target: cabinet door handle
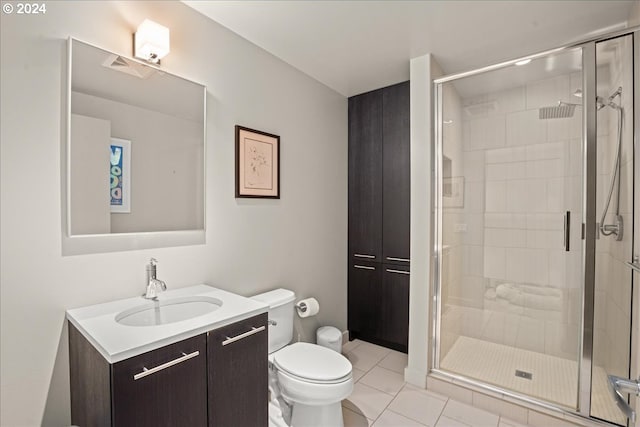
364, 256
390, 258
363, 267
253, 330
169, 364
391, 270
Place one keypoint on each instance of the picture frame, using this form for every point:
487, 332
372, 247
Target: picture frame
453, 192
120, 175
257, 164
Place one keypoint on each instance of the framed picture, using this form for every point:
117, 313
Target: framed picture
453, 192
120, 175
257, 164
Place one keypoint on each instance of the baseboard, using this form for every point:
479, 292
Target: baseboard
345, 337
415, 377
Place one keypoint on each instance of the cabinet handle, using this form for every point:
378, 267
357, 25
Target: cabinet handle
364, 256
253, 330
390, 270
146, 371
390, 258
363, 267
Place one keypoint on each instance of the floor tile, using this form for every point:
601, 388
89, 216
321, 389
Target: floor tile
355, 419
350, 345
367, 400
357, 374
504, 422
418, 405
469, 415
450, 422
394, 361
384, 380
392, 419
365, 356
542, 420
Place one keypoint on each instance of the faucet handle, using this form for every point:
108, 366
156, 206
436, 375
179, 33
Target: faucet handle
153, 262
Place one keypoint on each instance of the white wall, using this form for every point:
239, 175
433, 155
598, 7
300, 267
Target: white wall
252, 245
423, 70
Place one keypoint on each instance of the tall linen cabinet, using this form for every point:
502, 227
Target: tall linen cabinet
379, 214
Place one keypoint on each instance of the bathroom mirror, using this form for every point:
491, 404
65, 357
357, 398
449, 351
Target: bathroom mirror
134, 155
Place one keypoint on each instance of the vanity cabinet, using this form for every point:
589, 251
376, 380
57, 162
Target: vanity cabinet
218, 378
379, 216
237, 376
163, 387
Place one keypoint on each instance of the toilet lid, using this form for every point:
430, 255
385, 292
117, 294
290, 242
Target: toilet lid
312, 362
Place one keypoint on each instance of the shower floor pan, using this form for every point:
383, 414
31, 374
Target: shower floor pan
553, 378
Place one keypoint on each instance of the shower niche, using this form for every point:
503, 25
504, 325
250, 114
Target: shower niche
530, 301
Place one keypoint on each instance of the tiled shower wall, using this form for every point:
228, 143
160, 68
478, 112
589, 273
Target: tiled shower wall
521, 174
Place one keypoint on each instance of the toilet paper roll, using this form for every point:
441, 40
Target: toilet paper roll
308, 307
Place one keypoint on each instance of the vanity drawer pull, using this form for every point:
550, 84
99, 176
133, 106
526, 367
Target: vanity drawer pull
169, 364
364, 256
390, 270
363, 267
241, 336
390, 258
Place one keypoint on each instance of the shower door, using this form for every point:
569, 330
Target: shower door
510, 210
534, 224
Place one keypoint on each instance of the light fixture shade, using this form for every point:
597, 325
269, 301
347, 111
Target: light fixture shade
151, 41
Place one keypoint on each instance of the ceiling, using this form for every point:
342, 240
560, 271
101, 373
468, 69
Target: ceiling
357, 46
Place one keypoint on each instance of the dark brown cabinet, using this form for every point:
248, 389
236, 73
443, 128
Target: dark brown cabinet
218, 378
396, 182
379, 216
238, 389
365, 177
164, 387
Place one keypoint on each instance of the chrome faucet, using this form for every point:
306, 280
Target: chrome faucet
154, 286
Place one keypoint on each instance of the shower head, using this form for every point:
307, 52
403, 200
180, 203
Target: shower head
563, 110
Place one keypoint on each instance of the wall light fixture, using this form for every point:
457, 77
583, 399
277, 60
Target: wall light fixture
151, 42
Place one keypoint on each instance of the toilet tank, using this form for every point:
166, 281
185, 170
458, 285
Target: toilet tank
280, 302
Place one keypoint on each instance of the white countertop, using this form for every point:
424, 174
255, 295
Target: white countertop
117, 342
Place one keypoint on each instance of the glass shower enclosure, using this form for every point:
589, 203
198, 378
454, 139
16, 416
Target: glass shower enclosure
534, 225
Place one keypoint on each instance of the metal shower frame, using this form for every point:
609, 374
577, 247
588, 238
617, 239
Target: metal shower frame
589, 215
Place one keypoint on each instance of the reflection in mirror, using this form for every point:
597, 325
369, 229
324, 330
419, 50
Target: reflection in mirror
134, 154
136, 147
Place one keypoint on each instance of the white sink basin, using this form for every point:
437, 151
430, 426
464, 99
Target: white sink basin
168, 311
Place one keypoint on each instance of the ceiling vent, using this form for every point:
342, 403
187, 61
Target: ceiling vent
127, 66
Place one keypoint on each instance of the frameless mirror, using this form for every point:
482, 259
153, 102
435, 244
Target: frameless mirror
134, 154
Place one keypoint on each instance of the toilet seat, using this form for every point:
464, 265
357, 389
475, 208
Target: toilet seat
312, 363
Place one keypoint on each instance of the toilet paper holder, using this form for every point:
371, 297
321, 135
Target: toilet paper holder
301, 306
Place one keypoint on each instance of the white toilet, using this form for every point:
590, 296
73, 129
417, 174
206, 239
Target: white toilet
312, 379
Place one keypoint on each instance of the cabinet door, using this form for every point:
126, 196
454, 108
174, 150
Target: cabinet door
395, 306
238, 374
364, 299
164, 387
396, 172
365, 176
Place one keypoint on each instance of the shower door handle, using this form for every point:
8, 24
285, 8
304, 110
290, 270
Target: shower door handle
567, 230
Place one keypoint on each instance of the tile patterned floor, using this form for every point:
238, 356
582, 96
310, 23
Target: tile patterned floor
381, 398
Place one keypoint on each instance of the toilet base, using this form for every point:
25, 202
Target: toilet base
317, 416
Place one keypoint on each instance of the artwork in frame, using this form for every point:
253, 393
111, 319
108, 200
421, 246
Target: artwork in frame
453, 192
120, 175
257, 164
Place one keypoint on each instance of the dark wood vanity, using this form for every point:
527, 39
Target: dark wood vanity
218, 378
